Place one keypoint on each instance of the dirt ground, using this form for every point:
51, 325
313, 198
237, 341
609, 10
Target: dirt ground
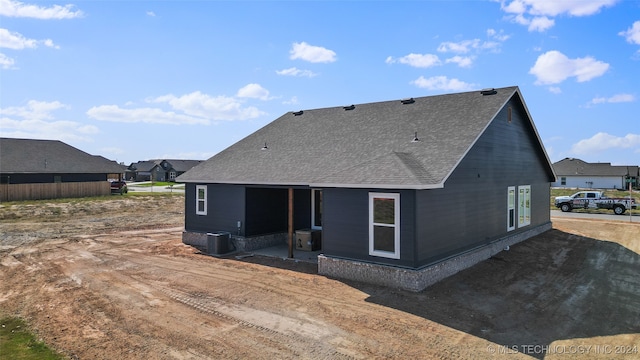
112, 280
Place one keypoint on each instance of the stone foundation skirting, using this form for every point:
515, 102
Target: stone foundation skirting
418, 279
240, 243
259, 242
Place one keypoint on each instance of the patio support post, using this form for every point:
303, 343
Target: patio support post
290, 222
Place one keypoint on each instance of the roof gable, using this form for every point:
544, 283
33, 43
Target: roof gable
50, 156
365, 145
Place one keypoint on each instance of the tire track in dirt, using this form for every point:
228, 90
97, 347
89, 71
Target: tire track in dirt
301, 344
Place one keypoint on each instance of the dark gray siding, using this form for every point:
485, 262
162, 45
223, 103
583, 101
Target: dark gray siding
225, 207
469, 212
302, 208
345, 225
260, 210
472, 208
267, 210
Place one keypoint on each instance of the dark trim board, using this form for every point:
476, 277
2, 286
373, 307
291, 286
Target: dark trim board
44, 178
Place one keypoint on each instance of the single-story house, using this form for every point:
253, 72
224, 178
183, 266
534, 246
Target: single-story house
75, 173
159, 170
575, 173
405, 192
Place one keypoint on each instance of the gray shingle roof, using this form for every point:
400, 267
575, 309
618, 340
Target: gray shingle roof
176, 164
367, 146
181, 165
144, 165
577, 167
26, 156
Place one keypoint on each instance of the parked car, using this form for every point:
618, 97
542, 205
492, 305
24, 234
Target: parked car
594, 200
119, 187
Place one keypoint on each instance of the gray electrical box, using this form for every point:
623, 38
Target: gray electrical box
218, 243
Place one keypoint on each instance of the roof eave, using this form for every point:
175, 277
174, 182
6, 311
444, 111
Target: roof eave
380, 186
323, 185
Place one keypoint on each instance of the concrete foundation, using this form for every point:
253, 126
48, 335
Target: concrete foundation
418, 279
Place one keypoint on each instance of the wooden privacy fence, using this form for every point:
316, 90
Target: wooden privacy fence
18, 192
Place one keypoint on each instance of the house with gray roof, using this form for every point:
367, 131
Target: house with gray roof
159, 170
404, 192
576, 173
29, 161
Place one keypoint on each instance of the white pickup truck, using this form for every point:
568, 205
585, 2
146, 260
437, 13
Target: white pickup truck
594, 200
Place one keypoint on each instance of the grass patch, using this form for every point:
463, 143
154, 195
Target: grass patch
17, 342
158, 183
157, 193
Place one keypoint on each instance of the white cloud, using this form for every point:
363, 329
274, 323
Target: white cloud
254, 91
573, 8
442, 83
498, 35
209, 107
7, 62
314, 54
191, 109
603, 141
147, 115
40, 110
36, 121
15, 41
296, 72
151, 13
460, 47
538, 14
12, 8
632, 34
619, 98
540, 24
462, 61
416, 60
554, 67
555, 90
292, 101
475, 45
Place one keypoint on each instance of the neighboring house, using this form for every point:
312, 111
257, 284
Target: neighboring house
159, 170
405, 192
575, 173
27, 161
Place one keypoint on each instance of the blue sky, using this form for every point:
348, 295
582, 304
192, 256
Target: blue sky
138, 80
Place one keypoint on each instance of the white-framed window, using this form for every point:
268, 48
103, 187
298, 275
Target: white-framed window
201, 199
511, 208
563, 181
384, 225
172, 175
316, 209
524, 205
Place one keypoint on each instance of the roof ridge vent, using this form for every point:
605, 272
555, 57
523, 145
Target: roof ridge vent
408, 101
488, 91
350, 107
298, 113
